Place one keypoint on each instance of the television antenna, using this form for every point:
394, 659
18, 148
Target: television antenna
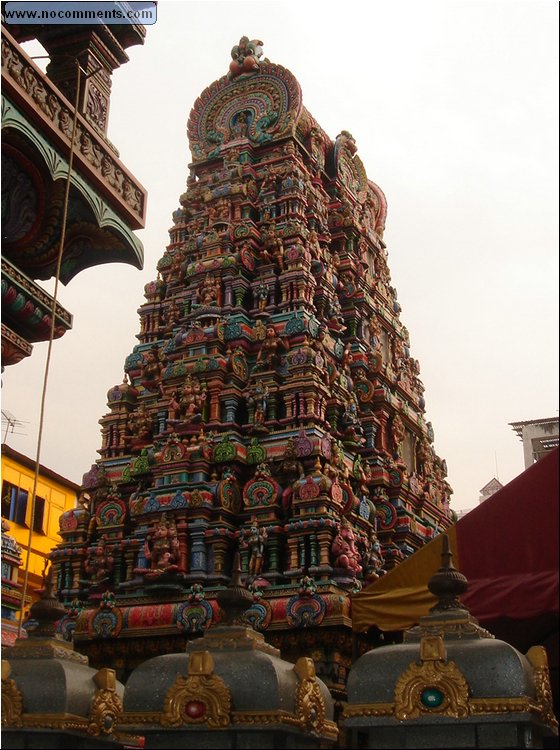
10, 424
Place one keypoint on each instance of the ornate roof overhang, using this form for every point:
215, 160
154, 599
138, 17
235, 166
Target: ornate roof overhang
29, 88
36, 117
14, 347
26, 309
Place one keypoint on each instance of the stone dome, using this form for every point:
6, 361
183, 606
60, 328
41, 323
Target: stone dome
49, 693
450, 683
232, 680
123, 393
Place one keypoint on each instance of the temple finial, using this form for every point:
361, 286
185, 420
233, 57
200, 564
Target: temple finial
236, 598
448, 583
47, 611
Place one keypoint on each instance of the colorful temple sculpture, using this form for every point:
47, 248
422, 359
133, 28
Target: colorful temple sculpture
271, 405
55, 124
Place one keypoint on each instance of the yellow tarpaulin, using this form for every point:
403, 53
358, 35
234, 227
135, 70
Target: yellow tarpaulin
397, 600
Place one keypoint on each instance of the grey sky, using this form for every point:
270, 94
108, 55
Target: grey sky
454, 108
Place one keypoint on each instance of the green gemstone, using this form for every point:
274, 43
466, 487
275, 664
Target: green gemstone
431, 697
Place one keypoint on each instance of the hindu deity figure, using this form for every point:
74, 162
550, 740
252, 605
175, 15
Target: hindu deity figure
254, 540
397, 435
161, 547
209, 291
192, 399
291, 466
176, 267
171, 316
151, 370
257, 398
430, 432
140, 424
101, 561
174, 406
271, 348
374, 329
272, 246
245, 56
315, 249
424, 457
382, 268
261, 295
337, 465
398, 353
346, 359
250, 187
291, 469
373, 560
344, 549
239, 125
334, 314
259, 331
350, 421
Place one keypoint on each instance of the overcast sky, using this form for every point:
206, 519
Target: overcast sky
453, 106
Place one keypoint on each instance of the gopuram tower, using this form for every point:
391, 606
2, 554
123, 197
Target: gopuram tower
271, 405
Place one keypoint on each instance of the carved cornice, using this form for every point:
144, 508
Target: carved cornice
45, 648
69, 722
29, 307
237, 719
14, 347
26, 84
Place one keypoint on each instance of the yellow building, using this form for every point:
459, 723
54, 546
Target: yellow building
55, 494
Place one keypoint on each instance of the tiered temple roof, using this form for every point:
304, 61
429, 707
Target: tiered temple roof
271, 405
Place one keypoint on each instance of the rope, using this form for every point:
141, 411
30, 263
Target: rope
50, 343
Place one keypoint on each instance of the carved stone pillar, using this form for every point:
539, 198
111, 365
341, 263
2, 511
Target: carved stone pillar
324, 538
215, 389
182, 537
381, 437
198, 547
220, 547
230, 403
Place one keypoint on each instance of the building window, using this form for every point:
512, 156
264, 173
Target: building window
9, 491
14, 503
39, 514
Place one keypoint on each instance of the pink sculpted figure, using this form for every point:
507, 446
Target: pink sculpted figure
344, 549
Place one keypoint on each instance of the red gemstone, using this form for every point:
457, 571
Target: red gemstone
195, 709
